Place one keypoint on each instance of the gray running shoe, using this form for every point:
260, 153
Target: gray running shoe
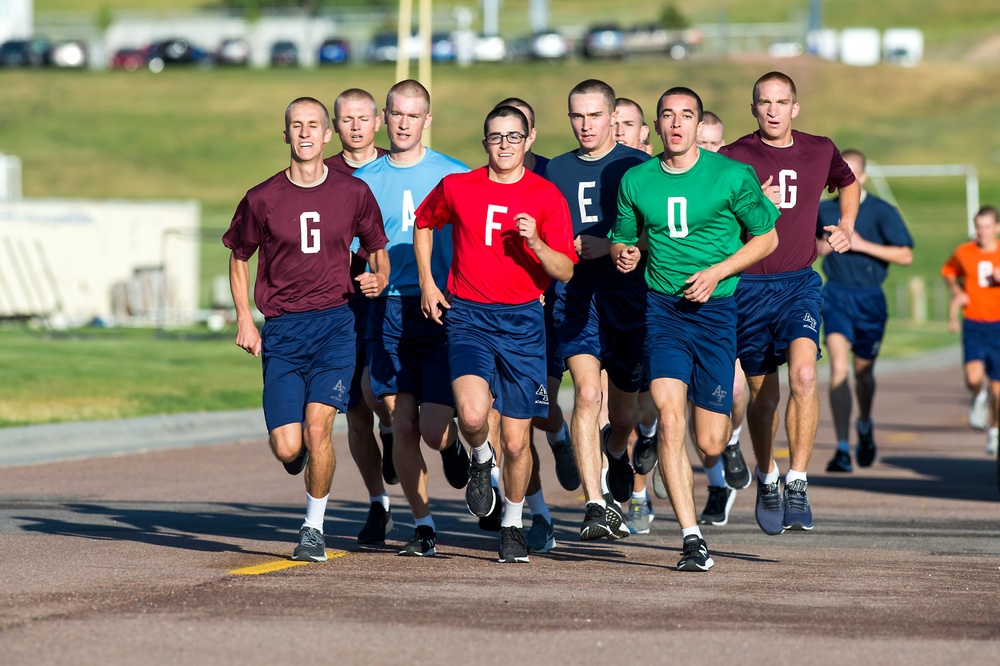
638, 518
720, 501
659, 488
770, 511
695, 557
312, 546
491, 523
734, 467
422, 544
479, 495
541, 537
377, 527
512, 546
798, 514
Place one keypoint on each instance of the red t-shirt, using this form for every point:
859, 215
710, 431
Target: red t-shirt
802, 170
304, 236
491, 263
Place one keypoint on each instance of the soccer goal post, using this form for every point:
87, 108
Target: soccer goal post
878, 173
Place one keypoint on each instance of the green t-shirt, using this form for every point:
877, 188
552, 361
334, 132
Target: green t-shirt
692, 220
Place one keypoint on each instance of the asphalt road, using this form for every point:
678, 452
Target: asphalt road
165, 541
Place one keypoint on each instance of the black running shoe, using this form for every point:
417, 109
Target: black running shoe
595, 525
644, 453
621, 477
865, 453
296, 466
455, 460
734, 467
388, 468
840, 462
377, 527
615, 518
798, 514
422, 544
720, 501
566, 471
312, 546
479, 495
512, 545
695, 557
491, 523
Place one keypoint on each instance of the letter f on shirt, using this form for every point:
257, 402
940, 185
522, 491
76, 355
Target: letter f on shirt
492, 226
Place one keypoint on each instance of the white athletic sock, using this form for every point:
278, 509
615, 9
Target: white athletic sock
427, 520
511, 513
481, 454
559, 436
537, 506
792, 475
688, 531
843, 445
604, 481
599, 502
647, 431
769, 478
716, 474
315, 511
382, 499
640, 495
735, 438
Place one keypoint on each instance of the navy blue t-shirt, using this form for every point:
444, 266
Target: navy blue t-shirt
878, 222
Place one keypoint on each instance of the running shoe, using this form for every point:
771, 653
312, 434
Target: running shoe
377, 527
388, 468
566, 471
644, 453
615, 518
991, 442
422, 544
298, 464
659, 488
621, 477
865, 453
695, 557
479, 494
734, 467
512, 545
455, 460
541, 537
638, 518
979, 410
769, 510
491, 523
312, 546
840, 462
595, 524
798, 515
720, 501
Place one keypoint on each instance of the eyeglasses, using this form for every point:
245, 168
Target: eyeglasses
513, 138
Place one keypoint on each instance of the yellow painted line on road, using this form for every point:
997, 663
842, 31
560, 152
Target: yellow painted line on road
901, 437
780, 453
279, 565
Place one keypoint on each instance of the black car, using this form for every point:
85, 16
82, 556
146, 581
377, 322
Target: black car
176, 51
284, 53
25, 53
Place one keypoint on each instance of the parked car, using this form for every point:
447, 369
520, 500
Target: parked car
549, 45
334, 51
32, 52
490, 48
69, 54
284, 53
657, 40
604, 41
443, 47
233, 51
128, 59
174, 51
385, 46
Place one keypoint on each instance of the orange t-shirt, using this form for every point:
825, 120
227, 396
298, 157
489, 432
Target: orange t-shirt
974, 268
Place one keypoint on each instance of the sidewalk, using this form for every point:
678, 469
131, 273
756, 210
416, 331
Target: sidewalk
30, 445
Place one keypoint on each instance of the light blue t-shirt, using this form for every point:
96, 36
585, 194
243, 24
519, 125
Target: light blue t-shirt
399, 191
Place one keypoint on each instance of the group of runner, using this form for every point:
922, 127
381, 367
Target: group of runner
401, 287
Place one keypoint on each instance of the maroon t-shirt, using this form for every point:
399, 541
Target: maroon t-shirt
359, 259
803, 170
304, 236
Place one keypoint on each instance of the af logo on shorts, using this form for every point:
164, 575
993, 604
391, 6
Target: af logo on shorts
337, 392
809, 322
542, 394
719, 394
637, 373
